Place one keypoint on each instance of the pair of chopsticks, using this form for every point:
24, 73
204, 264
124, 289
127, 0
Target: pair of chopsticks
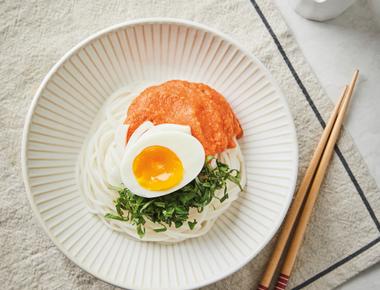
296, 220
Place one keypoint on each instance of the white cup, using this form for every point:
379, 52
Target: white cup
375, 9
321, 10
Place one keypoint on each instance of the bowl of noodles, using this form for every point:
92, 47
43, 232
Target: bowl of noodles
158, 154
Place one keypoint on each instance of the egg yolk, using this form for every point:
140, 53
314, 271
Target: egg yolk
157, 168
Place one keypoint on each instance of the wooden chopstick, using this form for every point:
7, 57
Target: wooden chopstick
298, 201
314, 190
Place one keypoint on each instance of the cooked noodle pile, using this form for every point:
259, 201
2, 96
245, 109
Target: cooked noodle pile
100, 157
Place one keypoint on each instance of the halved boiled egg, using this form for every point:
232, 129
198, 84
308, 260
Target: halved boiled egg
160, 159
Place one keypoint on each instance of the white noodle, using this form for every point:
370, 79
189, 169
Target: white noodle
100, 155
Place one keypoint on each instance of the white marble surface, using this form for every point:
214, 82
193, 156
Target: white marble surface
334, 49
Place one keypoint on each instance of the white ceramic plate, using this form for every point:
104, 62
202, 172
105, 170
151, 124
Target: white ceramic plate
155, 50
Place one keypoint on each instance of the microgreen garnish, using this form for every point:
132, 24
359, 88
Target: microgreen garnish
173, 209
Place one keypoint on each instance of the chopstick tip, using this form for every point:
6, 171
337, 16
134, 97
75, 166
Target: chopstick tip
353, 81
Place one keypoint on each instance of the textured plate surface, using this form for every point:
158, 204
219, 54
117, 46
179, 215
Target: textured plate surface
148, 51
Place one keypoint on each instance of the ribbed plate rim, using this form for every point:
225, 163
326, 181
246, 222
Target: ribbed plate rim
141, 21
